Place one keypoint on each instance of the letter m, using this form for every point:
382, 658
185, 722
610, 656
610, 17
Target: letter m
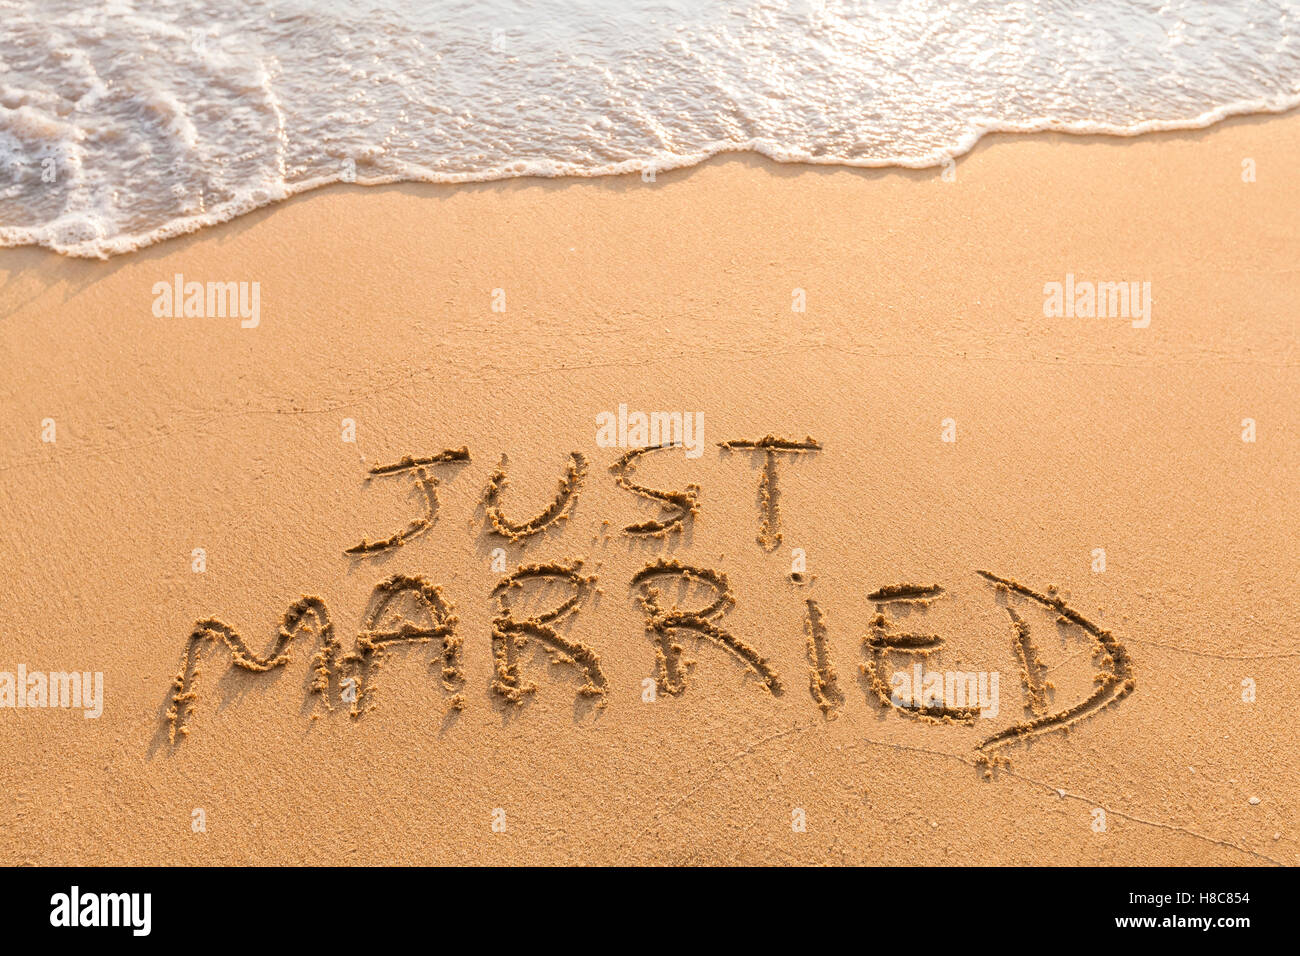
962, 689
219, 294
1115, 296
117, 904
65, 689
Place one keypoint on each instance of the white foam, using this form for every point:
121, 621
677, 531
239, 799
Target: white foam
159, 118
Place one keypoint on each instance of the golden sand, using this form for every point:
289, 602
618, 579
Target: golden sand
695, 667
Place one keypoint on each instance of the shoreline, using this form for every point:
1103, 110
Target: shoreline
634, 169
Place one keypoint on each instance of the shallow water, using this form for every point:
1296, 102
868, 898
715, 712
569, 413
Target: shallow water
122, 123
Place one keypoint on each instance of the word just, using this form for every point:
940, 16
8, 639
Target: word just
405, 610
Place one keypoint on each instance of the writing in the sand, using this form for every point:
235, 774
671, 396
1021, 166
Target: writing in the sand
405, 610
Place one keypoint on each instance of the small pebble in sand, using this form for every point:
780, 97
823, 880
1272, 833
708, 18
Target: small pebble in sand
1253, 801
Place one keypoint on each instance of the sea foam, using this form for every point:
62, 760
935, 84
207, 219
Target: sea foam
129, 122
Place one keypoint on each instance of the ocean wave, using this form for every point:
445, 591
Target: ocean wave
139, 121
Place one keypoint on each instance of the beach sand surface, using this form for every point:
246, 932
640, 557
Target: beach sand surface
924, 316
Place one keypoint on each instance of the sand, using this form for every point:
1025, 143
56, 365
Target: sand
565, 721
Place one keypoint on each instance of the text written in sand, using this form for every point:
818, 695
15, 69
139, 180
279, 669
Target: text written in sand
406, 610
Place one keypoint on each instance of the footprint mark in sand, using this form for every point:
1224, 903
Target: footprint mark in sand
822, 680
425, 483
558, 510
307, 614
1114, 682
510, 635
678, 506
880, 643
769, 529
662, 623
